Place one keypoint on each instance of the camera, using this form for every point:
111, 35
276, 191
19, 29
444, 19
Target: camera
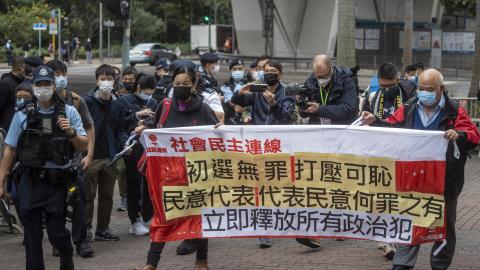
258, 88
303, 93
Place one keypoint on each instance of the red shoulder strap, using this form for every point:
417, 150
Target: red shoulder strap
167, 104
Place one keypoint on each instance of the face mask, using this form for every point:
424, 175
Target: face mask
427, 98
20, 102
43, 93
412, 78
60, 83
270, 78
182, 92
216, 69
144, 96
105, 87
129, 86
324, 82
258, 75
237, 75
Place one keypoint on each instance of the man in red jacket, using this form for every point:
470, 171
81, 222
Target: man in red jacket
433, 110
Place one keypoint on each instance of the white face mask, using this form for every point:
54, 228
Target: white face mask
324, 82
43, 93
216, 69
105, 87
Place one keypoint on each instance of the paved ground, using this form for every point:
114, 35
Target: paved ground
285, 254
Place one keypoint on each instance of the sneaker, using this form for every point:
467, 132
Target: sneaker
186, 247
146, 223
389, 251
105, 235
138, 228
309, 242
85, 250
264, 242
122, 205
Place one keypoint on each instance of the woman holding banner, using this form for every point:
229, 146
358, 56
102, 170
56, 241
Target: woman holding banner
186, 108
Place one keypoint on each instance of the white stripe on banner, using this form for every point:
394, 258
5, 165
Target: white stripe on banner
398, 144
271, 221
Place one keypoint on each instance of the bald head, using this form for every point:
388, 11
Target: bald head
430, 78
321, 65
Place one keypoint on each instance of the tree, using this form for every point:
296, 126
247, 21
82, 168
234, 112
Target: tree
17, 23
408, 33
346, 33
474, 89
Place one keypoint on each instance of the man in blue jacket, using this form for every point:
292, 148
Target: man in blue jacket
271, 107
336, 102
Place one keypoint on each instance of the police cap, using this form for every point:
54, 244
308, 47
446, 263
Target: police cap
208, 58
43, 73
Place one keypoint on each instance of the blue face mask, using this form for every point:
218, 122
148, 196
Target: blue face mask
144, 96
427, 98
258, 75
237, 75
60, 83
20, 102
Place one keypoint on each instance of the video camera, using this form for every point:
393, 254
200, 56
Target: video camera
303, 93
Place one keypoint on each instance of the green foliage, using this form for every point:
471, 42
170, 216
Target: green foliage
151, 19
460, 6
17, 23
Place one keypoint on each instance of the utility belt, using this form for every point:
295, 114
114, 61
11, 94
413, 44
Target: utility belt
53, 177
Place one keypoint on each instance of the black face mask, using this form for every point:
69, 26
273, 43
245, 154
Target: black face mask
391, 91
182, 92
270, 78
129, 86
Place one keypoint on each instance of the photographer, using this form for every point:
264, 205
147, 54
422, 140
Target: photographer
270, 106
335, 101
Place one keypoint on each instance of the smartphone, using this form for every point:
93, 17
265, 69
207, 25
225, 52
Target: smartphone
258, 88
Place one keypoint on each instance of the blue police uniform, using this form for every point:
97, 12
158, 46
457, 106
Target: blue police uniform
43, 180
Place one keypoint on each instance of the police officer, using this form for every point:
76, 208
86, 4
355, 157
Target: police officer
208, 86
44, 139
163, 81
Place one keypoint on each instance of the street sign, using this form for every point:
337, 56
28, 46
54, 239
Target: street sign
39, 26
52, 26
109, 23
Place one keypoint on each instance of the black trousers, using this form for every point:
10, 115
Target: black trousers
79, 227
36, 196
156, 249
138, 198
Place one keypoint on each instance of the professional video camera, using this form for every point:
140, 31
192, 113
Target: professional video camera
303, 93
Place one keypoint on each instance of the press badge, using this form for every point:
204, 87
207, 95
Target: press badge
325, 121
47, 127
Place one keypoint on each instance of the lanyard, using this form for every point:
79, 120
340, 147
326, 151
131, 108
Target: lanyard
324, 99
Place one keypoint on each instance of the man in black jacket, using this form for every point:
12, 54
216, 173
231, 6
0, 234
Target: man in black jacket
99, 176
336, 102
393, 92
8, 84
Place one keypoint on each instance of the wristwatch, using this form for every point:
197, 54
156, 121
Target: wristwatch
73, 135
